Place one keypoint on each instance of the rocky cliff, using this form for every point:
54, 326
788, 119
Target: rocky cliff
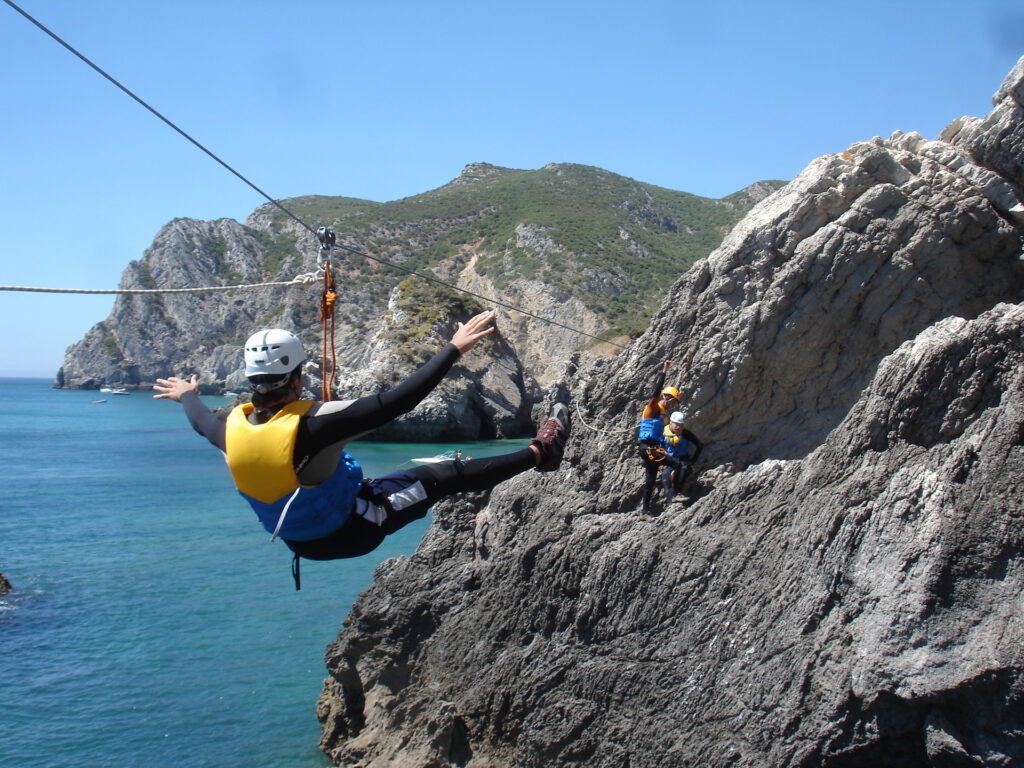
580, 246
844, 589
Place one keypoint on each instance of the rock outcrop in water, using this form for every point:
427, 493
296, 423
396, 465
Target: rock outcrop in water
845, 589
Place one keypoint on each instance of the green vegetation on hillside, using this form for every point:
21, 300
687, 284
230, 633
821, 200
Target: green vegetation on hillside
424, 304
276, 250
614, 243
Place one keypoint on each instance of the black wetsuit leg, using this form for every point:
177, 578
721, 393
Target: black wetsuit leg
672, 476
358, 536
442, 480
453, 477
650, 473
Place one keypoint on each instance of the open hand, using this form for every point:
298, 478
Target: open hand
173, 388
474, 329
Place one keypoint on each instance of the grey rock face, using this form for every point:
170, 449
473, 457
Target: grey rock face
789, 318
845, 589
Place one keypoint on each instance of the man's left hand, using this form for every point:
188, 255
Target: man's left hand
470, 332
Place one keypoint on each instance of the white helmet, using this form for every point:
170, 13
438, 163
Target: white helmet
274, 353
676, 417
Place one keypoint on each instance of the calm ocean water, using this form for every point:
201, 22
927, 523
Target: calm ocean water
152, 622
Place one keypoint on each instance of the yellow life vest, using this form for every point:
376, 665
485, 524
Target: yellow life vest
675, 444
260, 456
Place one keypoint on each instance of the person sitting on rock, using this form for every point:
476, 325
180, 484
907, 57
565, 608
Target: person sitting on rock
286, 455
677, 440
653, 421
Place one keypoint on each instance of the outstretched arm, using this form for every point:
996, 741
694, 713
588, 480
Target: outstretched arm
339, 421
203, 421
651, 408
659, 380
173, 388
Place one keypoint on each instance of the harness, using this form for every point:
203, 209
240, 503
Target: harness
381, 499
655, 453
366, 493
650, 434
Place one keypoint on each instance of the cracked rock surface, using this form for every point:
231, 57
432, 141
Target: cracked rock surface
845, 588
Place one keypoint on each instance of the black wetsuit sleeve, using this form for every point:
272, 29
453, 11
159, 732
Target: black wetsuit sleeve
659, 384
208, 424
698, 446
324, 427
651, 408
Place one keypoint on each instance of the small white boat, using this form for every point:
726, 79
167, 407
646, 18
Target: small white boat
440, 458
229, 393
118, 391
106, 390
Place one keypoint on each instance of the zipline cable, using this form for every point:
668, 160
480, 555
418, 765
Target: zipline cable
270, 199
151, 109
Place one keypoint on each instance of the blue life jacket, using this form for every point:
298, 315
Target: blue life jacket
651, 429
675, 445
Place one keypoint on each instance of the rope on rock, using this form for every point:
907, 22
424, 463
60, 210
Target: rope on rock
596, 429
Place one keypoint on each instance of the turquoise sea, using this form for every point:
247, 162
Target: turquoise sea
153, 624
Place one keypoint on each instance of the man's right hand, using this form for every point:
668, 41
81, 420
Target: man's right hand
173, 388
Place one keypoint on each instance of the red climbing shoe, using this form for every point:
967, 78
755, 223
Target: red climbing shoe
550, 441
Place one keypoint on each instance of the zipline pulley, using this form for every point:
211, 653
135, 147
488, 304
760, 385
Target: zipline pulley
326, 236
325, 255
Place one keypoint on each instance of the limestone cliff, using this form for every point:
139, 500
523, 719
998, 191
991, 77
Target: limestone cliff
844, 589
579, 246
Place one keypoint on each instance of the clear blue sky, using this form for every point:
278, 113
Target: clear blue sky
389, 99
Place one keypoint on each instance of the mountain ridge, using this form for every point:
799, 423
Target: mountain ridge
584, 247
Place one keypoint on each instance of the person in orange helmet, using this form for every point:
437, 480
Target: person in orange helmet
653, 420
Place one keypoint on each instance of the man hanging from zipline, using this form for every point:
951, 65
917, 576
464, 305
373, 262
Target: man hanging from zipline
287, 456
